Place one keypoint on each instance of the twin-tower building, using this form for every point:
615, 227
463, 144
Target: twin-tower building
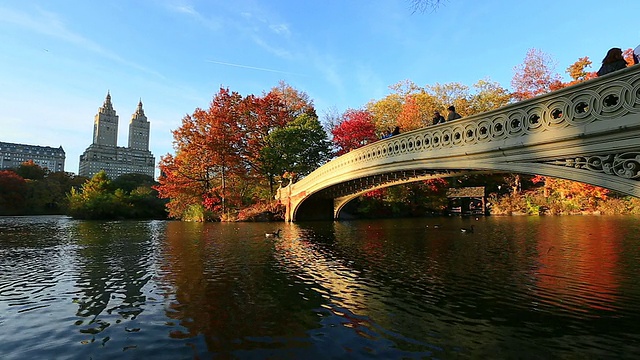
105, 154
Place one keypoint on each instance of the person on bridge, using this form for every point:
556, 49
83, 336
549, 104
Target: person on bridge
636, 55
452, 113
612, 62
437, 118
396, 131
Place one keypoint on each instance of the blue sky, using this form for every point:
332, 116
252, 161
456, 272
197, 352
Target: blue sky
58, 58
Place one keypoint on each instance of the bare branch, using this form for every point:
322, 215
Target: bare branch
423, 6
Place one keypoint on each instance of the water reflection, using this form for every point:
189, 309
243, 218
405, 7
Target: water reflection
517, 287
566, 262
227, 289
112, 268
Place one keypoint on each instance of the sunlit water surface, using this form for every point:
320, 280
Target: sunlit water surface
518, 287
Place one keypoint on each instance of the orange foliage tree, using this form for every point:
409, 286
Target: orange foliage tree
578, 71
567, 190
410, 117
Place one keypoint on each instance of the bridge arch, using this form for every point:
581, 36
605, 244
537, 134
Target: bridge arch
589, 132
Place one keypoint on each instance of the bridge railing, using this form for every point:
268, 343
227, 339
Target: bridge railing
603, 99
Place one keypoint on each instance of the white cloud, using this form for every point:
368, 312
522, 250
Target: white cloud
280, 29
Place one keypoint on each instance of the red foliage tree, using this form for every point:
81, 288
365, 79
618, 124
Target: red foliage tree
355, 129
207, 160
13, 189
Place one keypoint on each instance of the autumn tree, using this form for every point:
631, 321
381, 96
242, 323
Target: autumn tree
260, 118
410, 117
385, 112
628, 56
582, 197
230, 156
489, 95
535, 76
455, 94
577, 71
355, 130
207, 162
296, 102
12, 190
417, 111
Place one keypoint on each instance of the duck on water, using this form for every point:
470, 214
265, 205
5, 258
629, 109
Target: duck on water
467, 230
275, 234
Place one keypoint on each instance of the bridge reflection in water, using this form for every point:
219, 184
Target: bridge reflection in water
588, 132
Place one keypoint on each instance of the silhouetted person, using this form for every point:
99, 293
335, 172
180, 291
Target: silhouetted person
636, 55
452, 113
612, 62
437, 118
396, 131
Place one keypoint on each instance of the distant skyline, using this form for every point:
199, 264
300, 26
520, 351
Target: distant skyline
58, 59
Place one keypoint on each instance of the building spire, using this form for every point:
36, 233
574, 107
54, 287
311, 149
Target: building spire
139, 111
107, 106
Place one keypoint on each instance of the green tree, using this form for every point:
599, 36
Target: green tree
44, 196
262, 117
130, 182
298, 148
94, 201
31, 171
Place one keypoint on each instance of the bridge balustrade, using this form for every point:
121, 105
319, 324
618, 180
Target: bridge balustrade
593, 126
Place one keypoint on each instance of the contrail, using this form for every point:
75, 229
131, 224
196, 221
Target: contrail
253, 67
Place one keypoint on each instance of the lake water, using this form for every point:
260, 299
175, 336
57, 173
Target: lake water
517, 287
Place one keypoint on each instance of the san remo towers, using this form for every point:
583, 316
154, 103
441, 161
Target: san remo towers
105, 154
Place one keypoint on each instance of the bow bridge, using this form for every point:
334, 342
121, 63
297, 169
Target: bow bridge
588, 132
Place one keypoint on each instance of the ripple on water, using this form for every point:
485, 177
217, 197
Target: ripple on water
363, 289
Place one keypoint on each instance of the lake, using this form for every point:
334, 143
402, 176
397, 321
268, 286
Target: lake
517, 287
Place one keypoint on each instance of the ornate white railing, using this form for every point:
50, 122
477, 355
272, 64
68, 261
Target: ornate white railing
597, 106
603, 99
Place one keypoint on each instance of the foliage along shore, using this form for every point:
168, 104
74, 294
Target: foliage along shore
230, 157
31, 190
